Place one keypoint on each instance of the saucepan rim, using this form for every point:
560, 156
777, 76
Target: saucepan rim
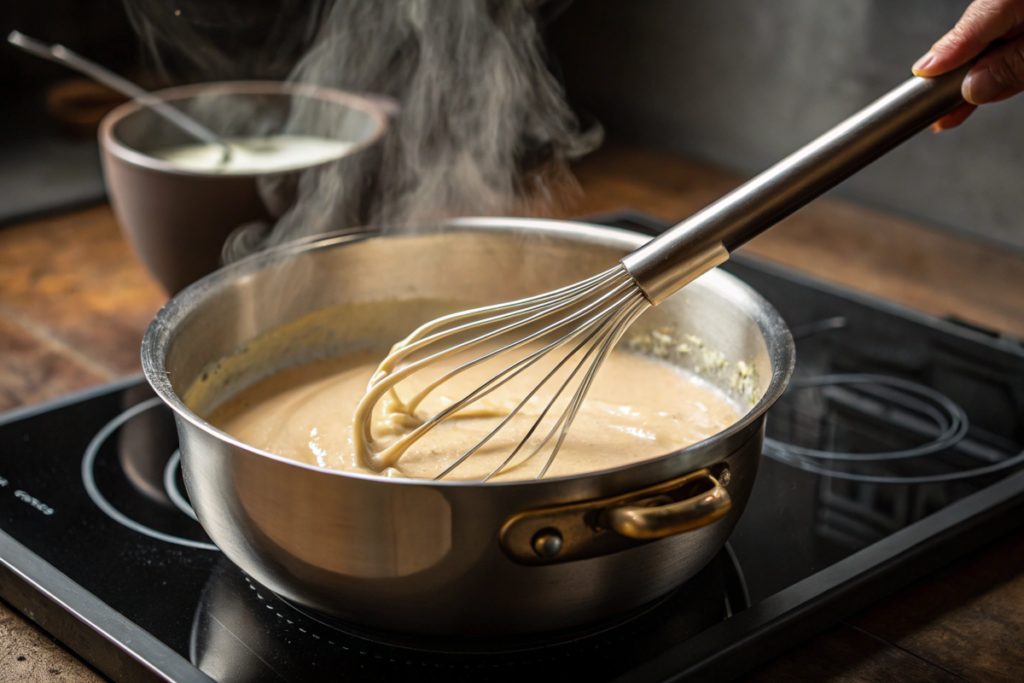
367, 105
160, 335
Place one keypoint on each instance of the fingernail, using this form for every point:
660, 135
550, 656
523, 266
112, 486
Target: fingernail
936, 127
981, 86
927, 60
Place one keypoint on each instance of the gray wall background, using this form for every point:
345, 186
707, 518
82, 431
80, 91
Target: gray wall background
742, 83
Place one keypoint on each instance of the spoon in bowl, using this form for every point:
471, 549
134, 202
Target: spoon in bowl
62, 55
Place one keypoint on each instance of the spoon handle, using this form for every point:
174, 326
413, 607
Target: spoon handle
62, 55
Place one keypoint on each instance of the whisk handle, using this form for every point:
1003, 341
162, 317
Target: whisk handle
705, 239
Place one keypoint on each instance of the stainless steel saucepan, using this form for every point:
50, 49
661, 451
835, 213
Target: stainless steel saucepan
456, 557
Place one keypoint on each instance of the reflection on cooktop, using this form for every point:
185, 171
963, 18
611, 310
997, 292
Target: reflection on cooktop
243, 632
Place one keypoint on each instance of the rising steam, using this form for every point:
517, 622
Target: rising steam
483, 126
476, 100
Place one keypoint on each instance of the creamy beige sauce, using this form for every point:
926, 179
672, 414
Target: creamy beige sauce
637, 408
271, 153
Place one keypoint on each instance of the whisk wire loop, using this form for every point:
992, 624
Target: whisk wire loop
622, 323
601, 331
563, 298
582, 312
387, 377
596, 311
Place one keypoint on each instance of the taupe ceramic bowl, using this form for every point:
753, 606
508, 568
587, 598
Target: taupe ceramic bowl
176, 219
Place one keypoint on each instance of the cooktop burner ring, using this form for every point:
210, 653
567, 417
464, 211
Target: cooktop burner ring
171, 485
949, 418
89, 480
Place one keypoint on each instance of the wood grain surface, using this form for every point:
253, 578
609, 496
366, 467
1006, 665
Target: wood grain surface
74, 303
967, 618
844, 654
72, 283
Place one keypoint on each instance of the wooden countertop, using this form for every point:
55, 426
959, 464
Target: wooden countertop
74, 303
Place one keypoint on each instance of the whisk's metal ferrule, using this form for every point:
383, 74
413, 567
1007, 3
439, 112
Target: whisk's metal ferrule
659, 276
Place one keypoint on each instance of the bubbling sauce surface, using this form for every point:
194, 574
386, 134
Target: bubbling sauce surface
637, 408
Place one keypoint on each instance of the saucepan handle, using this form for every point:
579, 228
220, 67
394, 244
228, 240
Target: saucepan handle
660, 516
593, 528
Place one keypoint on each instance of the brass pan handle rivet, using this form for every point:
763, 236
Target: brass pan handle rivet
725, 477
547, 543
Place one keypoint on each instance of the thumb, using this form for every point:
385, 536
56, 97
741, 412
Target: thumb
997, 75
982, 22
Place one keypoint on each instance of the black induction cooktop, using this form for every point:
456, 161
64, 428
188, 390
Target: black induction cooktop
898, 448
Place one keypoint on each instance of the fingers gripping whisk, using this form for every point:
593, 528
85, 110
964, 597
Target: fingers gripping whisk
564, 335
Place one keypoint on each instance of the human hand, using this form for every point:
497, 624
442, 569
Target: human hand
999, 74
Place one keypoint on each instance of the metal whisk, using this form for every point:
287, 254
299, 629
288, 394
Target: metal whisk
581, 323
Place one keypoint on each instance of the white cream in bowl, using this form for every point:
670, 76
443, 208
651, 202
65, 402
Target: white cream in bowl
260, 154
